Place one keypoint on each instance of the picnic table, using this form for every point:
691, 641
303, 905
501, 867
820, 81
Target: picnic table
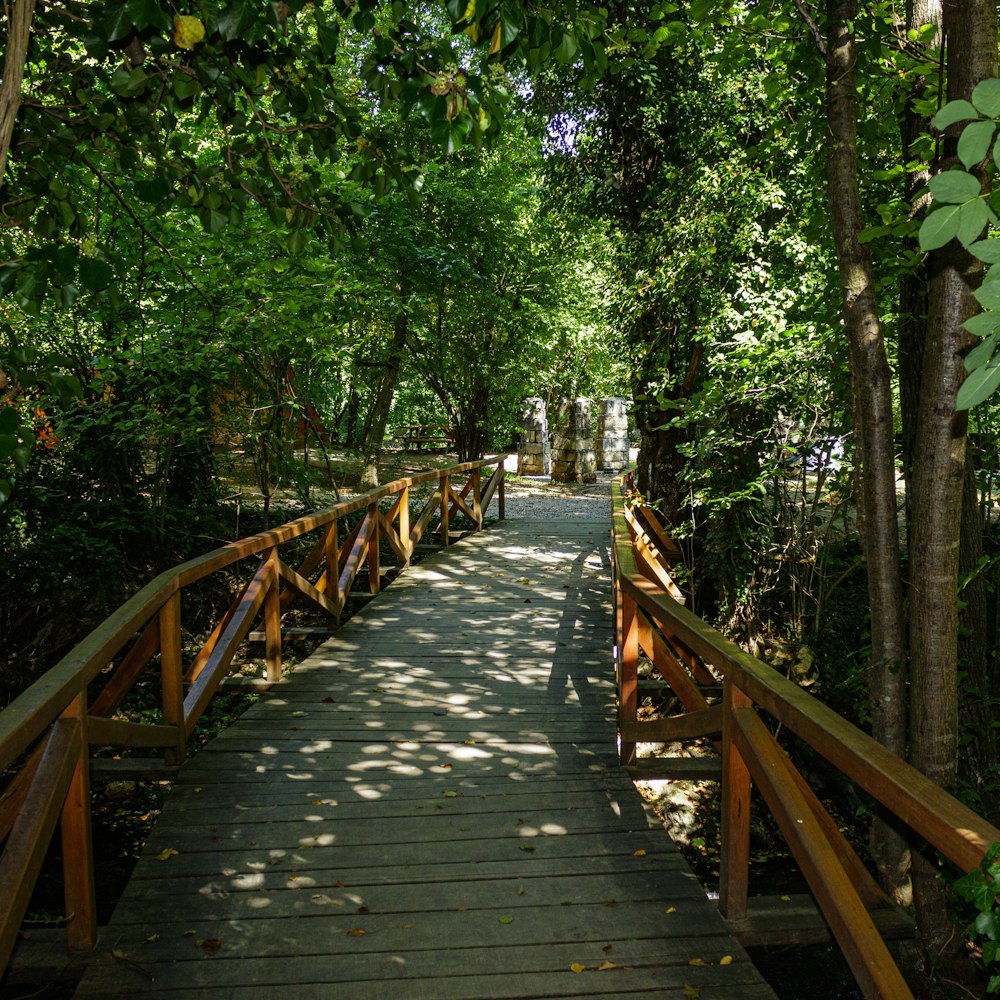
418, 437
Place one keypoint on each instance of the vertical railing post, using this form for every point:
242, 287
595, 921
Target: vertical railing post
77, 843
404, 522
333, 567
272, 617
373, 543
501, 511
477, 505
734, 868
628, 681
172, 674
445, 502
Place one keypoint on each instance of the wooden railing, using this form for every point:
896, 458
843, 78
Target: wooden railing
690, 655
47, 732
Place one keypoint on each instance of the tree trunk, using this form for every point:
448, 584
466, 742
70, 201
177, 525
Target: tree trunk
379, 415
19, 16
873, 406
938, 482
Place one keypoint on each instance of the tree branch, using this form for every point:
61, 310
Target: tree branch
117, 195
812, 26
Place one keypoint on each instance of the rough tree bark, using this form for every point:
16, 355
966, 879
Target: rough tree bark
19, 14
871, 383
970, 29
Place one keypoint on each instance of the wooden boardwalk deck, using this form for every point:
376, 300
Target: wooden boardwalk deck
429, 807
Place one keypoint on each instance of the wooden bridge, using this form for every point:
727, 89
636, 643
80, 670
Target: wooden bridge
437, 803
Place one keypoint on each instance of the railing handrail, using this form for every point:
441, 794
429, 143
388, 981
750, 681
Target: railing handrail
51, 784
956, 831
24, 719
952, 828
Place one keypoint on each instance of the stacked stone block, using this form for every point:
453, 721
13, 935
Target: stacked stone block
612, 435
573, 458
533, 453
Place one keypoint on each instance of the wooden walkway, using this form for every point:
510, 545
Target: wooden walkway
429, 807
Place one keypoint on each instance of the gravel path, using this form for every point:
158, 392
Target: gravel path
536, 498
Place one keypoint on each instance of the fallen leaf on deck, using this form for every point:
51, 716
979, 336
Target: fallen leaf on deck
328, 700
469, 743
167, 852
691, 992
697, 961
506, 920
639, 854
786, 899
726, 960
577, 967
670, 909
357, 932
450, 793
151, 939
211, 945
604, 966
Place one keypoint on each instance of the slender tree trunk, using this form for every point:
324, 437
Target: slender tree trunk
938, 482
19, 15
379, 416
871, 381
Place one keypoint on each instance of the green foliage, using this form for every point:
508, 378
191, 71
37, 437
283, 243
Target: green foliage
979, 887
962, 212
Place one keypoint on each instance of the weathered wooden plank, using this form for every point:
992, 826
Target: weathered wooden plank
525, 855
442, 776
498, 972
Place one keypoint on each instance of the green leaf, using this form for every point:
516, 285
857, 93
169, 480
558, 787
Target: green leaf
987, 251
982, 324
978, 386
296, 241
95, 275
939, 227
973, 218
566, 49
213, 220
974, 142
986, 98
953, 111
5, 491
236, 18
987, 924
981, 354
954, 187
988, 296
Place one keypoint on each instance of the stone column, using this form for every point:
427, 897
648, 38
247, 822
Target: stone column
573, 459
533, 454
612, 435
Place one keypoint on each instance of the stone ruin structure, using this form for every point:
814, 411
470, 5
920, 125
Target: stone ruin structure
612, 435
533, 454
573, 458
